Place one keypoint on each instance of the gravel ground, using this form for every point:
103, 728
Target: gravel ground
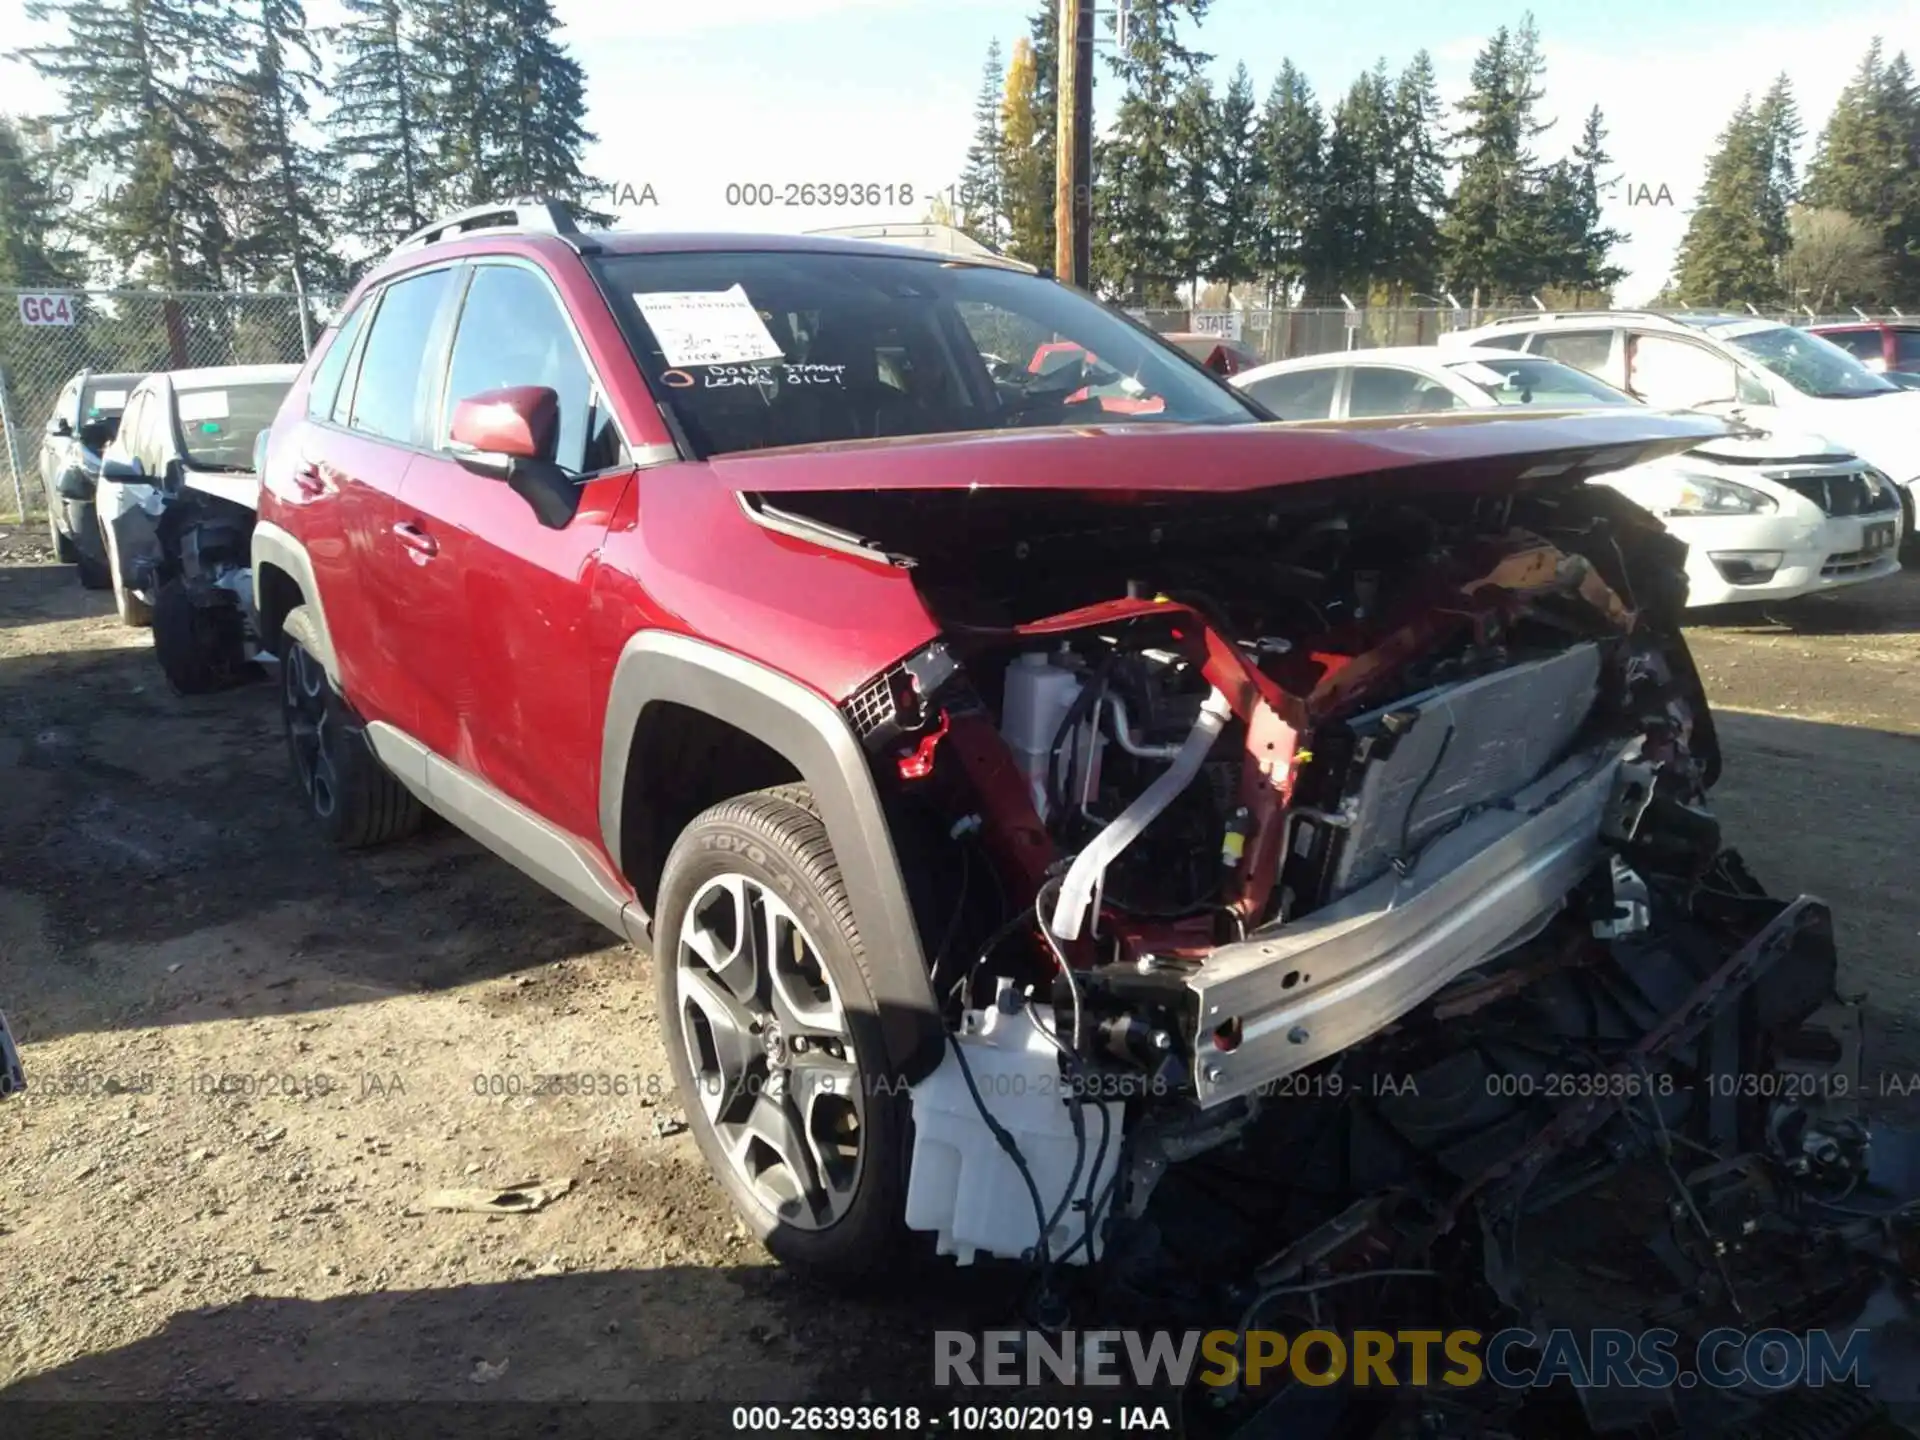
252, 1058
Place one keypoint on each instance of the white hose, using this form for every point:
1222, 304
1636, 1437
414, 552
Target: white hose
1089, 867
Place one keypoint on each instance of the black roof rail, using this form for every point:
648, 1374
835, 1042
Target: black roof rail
529, 214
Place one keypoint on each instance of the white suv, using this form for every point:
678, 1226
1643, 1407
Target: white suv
1775, 376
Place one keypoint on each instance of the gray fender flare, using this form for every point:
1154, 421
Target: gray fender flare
274, 546
656, 666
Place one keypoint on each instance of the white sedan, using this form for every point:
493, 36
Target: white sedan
1765, 515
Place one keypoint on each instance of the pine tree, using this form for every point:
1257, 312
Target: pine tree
276, 178
31, 250
1867, 164
1030, 121
376, 127
1416, 182
983, 182
1588, 267
1290, 148
1194, 146
1028, 164
1134, 251
1778, 123
461, 46
135, 78
537, 124
1351, 227
1492, 228
1728, 255
1241, 178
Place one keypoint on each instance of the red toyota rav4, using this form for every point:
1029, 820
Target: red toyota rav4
987, 771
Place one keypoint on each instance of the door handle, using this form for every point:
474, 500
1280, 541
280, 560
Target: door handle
423, 545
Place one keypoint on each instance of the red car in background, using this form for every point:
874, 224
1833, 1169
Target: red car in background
1880, 345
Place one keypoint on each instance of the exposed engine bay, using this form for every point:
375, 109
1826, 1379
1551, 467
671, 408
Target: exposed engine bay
1329, 888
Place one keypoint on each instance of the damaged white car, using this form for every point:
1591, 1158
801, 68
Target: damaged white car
182, 430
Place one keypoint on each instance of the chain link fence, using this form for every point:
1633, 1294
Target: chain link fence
48, 337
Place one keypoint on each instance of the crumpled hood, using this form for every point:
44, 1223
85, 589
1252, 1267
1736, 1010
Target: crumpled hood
1118, 462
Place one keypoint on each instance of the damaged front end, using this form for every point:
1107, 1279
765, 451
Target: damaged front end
1339, 933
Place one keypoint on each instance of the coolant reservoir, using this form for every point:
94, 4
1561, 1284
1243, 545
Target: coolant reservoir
1039, 692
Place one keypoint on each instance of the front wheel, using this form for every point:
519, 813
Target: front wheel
200, 641
132, 609
354, 799
774, 1040
64, 550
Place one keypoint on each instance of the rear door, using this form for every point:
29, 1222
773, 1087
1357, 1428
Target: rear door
353, 456
496, 604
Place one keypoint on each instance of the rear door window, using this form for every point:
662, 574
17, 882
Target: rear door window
393, 368
1587, 350
1906, 349
1299, 395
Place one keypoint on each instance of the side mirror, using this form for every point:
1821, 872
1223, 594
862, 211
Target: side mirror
62, 426
127, 472
509, 434
174, 478
496, 427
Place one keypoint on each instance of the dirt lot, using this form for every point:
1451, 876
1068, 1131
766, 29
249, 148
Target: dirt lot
253, 1057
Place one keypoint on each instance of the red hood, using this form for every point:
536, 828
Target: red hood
1119, 459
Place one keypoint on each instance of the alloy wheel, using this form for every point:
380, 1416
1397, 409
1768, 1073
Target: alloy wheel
774, 1066
310, 725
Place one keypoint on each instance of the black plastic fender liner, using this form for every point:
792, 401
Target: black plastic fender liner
657, 666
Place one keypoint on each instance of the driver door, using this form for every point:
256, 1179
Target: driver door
498, 603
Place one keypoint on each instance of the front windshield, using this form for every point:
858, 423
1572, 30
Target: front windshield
1519, 380
1812, 365
219, 424
759, 349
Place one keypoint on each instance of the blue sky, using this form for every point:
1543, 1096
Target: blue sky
691, 95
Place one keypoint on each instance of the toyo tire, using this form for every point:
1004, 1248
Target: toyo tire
773, 1037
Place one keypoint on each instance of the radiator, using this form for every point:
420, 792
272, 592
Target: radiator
1468, 746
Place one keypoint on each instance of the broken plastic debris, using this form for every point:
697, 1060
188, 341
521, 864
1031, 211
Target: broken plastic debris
508, 1200
668, 1123
485, 1373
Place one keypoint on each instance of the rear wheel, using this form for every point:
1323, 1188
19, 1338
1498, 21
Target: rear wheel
354, 799
133, 610
773, 1036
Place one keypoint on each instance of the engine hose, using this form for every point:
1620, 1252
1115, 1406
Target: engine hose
1089, 867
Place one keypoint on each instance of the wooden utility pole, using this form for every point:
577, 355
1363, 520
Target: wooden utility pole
1073, 150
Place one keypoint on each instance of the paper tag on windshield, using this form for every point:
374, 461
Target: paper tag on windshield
203, 405
109, 400
707, 327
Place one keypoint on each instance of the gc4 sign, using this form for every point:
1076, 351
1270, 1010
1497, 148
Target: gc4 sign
53, 309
